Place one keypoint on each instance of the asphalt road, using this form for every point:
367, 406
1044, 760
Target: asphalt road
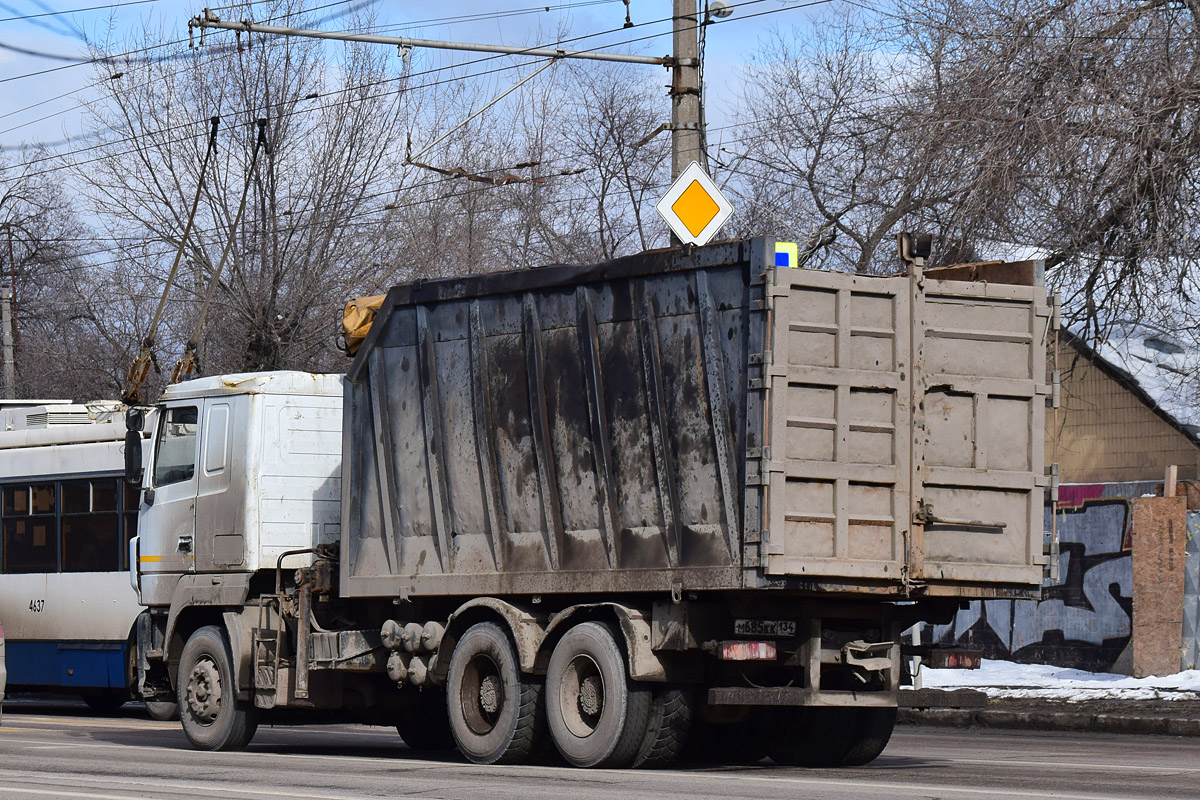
59, 750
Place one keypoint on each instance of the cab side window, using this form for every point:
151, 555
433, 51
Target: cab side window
175, 460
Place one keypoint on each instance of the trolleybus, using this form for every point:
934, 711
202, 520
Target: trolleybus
66, 518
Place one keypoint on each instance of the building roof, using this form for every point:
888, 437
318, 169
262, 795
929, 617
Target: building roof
1158, 368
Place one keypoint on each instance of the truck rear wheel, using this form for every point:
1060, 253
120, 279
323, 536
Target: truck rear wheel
716, 738
424, 723
213, 718
494, 710
598, 718
667, 727
872, 730
810, 737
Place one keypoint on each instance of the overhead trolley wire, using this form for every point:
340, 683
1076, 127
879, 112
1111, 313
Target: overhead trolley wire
412, 24
469, 62
109, 58
100, 81
104, 7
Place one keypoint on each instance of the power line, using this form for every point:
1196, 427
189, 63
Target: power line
393, 207
414, 23
170, 56
371, 84
487, 15
68, 140
109, 58
367, 85
104, 7
282, 16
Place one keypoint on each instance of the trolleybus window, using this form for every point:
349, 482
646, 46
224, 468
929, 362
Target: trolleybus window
176, 458
69, 525
90, 526
30, 529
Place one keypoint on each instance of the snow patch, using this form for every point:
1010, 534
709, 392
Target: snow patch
1008, 680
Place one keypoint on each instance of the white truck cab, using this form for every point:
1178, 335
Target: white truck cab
243, 468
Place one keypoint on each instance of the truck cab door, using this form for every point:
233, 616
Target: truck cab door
219, 544
167, 519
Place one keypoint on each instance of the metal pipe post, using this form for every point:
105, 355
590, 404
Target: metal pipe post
6, 320
211, 21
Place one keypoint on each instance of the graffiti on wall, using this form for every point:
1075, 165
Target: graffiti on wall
1191, 594
1084, 620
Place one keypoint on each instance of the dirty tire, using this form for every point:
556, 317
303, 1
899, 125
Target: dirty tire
597, 716
424, 724
494, 711
735, 743
107, 703
212, 716
810, 737
162, 710
872, 730
667, 727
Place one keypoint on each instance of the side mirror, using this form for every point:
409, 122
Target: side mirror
135, 419
133, 456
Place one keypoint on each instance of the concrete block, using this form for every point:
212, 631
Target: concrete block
1128, 723
1183, 727
939, 717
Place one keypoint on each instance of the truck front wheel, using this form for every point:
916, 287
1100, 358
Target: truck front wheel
212, 716
597, 716
162, 710
495, 711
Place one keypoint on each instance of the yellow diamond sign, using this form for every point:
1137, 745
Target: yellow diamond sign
694, 207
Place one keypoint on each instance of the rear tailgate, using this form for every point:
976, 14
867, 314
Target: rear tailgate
904, 417
983, 379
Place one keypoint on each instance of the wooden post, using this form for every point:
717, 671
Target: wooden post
1159, 554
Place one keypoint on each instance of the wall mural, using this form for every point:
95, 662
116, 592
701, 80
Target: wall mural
1085, 620
1191, 594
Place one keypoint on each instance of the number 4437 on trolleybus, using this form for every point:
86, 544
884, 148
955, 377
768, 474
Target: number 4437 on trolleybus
66, 518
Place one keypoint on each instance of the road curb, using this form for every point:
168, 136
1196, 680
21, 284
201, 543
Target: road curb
1050, 720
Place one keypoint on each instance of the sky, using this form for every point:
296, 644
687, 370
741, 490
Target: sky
40, 96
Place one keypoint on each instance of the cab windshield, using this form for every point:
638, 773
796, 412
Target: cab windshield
175, 459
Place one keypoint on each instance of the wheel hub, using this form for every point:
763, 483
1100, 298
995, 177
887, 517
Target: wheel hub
204, 691
489, 694
591, 695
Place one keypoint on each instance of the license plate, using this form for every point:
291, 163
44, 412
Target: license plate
779, 628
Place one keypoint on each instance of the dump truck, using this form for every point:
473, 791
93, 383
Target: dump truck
688, 498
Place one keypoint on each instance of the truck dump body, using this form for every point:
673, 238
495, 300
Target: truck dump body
693, 421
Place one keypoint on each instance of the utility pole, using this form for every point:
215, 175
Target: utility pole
6, 321
12, 281
685, 89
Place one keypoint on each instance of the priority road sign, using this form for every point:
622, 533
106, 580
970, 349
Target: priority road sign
694, 207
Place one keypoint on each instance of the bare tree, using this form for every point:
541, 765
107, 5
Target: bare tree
609, 130
1069, 128
557, 174
44, 247
300, 249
